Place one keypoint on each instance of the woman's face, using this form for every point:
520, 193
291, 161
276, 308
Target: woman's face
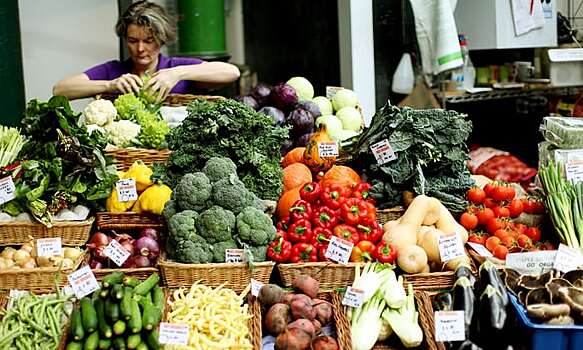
142, 46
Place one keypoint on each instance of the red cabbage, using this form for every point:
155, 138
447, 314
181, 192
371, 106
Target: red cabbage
275, 114
261, 93
302, 121
283, 97
286, 146
248, 100
302, 141
310, 107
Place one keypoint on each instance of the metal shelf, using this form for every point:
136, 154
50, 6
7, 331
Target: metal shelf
510, 93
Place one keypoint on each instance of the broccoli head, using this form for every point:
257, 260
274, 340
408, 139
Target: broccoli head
216, 224
258, 252
193, 191
182, 225
254, 227
193, 252
169, 210
218, 168
230, 193
219, 250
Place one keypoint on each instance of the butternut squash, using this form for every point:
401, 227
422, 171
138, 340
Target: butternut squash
412, 259
402, 235
448, 225
423, 210
390, 224
452, 265
430, 243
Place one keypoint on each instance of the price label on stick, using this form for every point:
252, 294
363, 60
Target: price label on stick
574, 170
83, 282
353, 297
450, 326
234, 255
116, 252
450, 247
173, 333
383, 152
327, 149
567, 259
339, 250
480, 249
49, 246
126, 190
255, 287
531, 262
332, 90
7, 190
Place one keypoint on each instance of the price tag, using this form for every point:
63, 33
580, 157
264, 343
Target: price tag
567, 259
339, 250
173, 333
531, 262
116, 252
126, 190
450, 247
83, 282
255, 287
332, 90
383, 152
574, 170
68, 290
353, 297
49, 247
450, 326
234, 255
7, 190
328, 149
480, 249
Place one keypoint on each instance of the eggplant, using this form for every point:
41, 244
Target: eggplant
468, 345
491, 318
489, 277
443, 302
464, 299
464, 270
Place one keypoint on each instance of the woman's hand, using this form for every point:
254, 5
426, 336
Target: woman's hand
162, 82
126, 83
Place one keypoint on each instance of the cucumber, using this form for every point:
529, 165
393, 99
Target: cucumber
104, 293
104, 327
133, 341
116, 292
92, 341
124, 305
130, 281
77, 331
119, 327
74, 345
119, 343
88, 315
135, 322
112, 310
152, 340
145, 286
149, 314
111, 279
158, 298
104, 344
142, 346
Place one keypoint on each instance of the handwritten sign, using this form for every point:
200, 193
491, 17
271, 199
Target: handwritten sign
531, 262
567, 259
328, 149
332, 90
450, 326
49, 247
353, 297
383, 152
450, 247
339, 250
126, 190
234, 255
7, 190
83, 282
255, 287
480, 249
116, 252
173, 333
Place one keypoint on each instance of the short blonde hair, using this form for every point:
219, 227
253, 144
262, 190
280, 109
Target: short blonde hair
148, 15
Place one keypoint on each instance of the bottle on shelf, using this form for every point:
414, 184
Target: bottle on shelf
464, 77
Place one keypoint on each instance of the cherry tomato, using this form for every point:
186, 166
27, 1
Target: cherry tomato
494, 224
510, 193
501, 233
533, 233
508, 241
492, 242
469, 221
550, 246
515, 207
501, 212
538, 207
499, 193
476, 195
520, 228
484, 215
489, 188
524, 241
490, 203
500, 252
479, 238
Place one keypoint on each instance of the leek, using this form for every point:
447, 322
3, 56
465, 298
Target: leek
404, 322
366, 321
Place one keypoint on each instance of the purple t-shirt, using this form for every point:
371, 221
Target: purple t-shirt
114, 69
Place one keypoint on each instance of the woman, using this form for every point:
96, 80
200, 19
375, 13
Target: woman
146, 28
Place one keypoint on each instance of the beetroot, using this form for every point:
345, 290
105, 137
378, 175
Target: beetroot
324, 312
324, 342
301, 307
277, 318
317, 326
307, 285
270, 294
293, 339
304, 324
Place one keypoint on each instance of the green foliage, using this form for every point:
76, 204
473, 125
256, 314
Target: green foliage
254, 227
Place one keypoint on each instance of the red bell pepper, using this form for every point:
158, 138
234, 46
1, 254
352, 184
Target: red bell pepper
303, 252
320, 237
300, 231
310, 192
332, 196
281, 233
360, 191
364, 251
301, 209
371, 212
386, 252
322, 253
347, 233
279, 250
372, 233
283, 223
353, 211
324, 217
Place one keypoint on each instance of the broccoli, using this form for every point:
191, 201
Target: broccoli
218, 168
216, 224
255, 227
193, 253
193, 191
219, 250
230, 193
169, 210
258, 252
181, 226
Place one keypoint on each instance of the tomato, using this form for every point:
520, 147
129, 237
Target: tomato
492, 242
520, 228
489, 188
533, 233
538, 207
476, 195
508, 241
494, 224
526, 205
469, 221
515, 207
500, 252
501, 212
479, 238
484, 215
510, 193
499, 193
524, 241
501, 233
490, 203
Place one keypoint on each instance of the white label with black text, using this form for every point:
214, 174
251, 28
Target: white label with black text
255, 287
450, 247
353, 297
126, 190
332, 90
234, 255
49, 246
116, 252
567, 259
480, 249
83, 282
574, 170
173, 333
327, 149
531, 262
383, 152
7, 190
450, 326
339, 250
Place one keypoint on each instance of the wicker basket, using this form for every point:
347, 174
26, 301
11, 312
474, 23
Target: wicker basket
140, 273
434, 281
72, 233
125, 157
127, 221
237, 276
177, 100
386, 215
330, 275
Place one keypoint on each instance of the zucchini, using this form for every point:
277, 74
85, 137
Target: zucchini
116, 292
104, 293
104, 344
77, 331
133, 341
119, 327
131, 281
152, 340
145, 286
124, 305
142, 346
92, 341
112, 310
158, 298
104, 327
119, 343
135, 322
74, 345
149, 314
88, 315
112, 278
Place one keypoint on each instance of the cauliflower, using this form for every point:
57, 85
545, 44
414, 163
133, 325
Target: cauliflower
94, 127
100, 112
123, 132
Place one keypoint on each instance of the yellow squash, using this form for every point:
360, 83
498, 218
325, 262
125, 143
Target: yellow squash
153, 199
112, 204
141, 173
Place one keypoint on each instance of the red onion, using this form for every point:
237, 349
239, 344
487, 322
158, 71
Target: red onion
123, 237
149, 232
99, 254
94, 264
98, 239
147, 247
129, 246
137, 261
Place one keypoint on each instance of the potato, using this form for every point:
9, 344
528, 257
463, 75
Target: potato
324, 311
277, 318
307, 285
304, 324
293, 339
270, 294
301, 307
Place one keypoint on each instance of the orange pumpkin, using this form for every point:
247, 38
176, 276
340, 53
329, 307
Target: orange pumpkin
341, 175
312, 154
295, 175
286, 201
296, 155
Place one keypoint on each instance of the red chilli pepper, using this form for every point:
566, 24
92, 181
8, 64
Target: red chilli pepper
332, 196
303, 252
324, 217
386, 252
310, 192
363, 251
283, 223
300, 231
279, 250
347, 233
372, 232
320, 237
353, 211
301, 209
